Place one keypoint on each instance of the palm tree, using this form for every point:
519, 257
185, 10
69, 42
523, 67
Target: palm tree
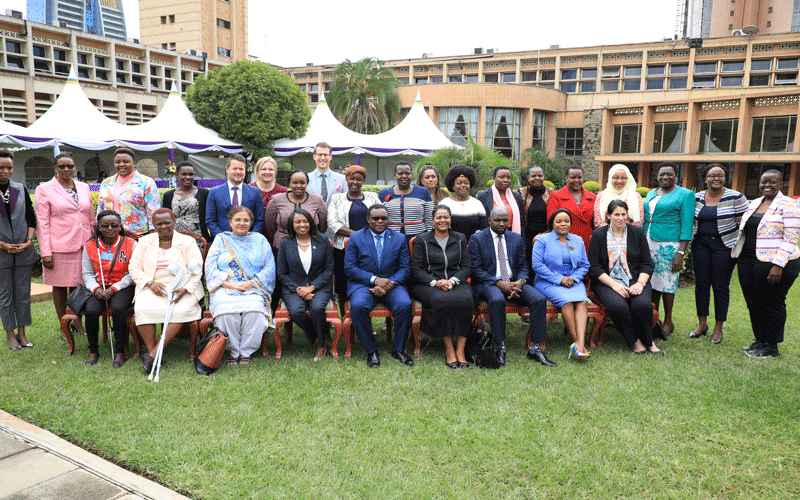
362, 96
553, 167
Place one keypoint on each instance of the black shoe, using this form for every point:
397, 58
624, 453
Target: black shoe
147, 362
540, 357
693, 335
93, 357
452, 366
752, 347
373, 361
463, 365
403, 358
764, 351
501, 357
117, 363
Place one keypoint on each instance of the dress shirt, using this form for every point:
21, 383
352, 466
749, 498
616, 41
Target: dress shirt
318, 181
240, 187
375, 237
495, 238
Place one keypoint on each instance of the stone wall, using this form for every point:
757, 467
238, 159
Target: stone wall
592, 134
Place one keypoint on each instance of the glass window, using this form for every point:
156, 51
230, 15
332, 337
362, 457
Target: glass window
101, 75
436, 79
669, 137
718, 136
83, 59
167, 73
677, 83
588, 86
539, 121
490, 78
314, 98
472, 78
136, 67
656, 70
172, 18
655, 84
120, 65
761, 65
548, 75
15, 62
502, 130
314, 88
548, 85
759, 80
454, 78
62, 69
705, 67
459, 123
528, 76
786, 78
569, 142
569, 87
569, 74
38, 51
100, 61
302, 86
631, 71
773, 134
678, 69
731, 81
14, 47
704, 82
137, 80
611, 72
610, 85
589, 73
41, 67
59, 55
627, 138
83, 73
731, 66
222, 23
509, 78
631, 85
787, 63
122, 78
421, 80
403, 81
221, 51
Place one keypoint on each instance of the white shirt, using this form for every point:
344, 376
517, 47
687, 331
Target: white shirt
305, 257
238, 191
495, 238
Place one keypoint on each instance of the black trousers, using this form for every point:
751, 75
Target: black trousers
632, 317
316, 326
766, 302
713, 266
119, 304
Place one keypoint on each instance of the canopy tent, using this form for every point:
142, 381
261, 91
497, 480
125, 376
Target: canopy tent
14, 134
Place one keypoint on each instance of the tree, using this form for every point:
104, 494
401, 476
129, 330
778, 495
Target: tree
483, 159
362, 96
251, 103
554, 168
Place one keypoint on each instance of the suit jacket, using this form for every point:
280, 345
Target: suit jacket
361, 259
547, 256
483, 251
14, 228
639, 260
778, 231
62, 226
486, 198
202, 199
337, 183
291, 271
219, 204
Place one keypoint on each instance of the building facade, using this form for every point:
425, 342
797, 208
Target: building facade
216, 28
719, 18
96, 17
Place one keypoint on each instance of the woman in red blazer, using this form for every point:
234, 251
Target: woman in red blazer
578, 202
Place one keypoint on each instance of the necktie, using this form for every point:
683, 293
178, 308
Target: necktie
235, 197
379, 247
323, 188
502, 259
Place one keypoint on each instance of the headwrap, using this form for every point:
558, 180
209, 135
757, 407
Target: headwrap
355, 169
627, 194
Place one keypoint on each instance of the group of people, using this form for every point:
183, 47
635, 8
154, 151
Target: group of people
324, 236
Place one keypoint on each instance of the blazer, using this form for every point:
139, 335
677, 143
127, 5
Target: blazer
339, 214
202, 198
62, 226
16, 231
361, 259
486, 198
730, 209
184, 251
778, 231
547, 256
582, 216
337, 183
430, 263
484, 258
291, 271
219, 203
638, 253
673, 218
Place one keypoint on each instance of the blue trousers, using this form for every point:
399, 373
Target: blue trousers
713, 266
362, 301
530, 298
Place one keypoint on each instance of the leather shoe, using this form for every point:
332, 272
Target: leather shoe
540, 357
147, 362
403, 358
93, 357
501, 357
373, 361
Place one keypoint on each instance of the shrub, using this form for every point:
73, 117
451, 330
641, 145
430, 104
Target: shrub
549, 184
591, 186
642, 191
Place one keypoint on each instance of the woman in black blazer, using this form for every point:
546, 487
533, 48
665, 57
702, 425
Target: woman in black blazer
190, 207
620, 267
305, 265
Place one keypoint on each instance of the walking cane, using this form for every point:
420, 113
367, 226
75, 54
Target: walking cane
103, 283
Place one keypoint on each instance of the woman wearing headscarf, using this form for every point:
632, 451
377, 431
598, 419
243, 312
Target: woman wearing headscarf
620, 186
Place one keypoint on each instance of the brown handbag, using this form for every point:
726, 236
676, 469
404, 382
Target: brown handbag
210, 353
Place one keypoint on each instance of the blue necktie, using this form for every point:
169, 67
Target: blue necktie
379, 247
235, 202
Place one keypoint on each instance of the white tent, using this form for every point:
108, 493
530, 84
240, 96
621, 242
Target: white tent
14, 134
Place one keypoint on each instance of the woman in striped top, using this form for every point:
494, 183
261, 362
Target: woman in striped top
717, 214
410, 206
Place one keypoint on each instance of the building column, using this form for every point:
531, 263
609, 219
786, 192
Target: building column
692, 142
648, 127
739, 176
643, 174
793, 181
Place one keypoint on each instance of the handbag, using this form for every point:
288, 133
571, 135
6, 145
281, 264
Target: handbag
210, 352
482, 349
77, 299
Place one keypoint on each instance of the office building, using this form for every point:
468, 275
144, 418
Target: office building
96, 17
718, 18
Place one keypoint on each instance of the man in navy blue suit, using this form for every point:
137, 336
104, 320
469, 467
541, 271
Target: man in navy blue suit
499, 274
234, 192
378, 265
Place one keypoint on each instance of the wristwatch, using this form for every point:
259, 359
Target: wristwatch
680, 252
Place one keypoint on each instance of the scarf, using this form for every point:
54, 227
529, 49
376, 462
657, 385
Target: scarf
618, 257
627, 193
510, 205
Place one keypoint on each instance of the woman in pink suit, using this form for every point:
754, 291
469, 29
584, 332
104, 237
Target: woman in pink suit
64, 221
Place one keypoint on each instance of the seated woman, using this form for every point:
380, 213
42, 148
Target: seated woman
149, 265
305, 263
620, 267
440, 267
240, 275
105, 273
560, 263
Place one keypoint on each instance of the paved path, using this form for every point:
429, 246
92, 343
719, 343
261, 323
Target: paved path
38, 465
41, 293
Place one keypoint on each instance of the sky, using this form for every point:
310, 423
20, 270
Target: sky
295, 33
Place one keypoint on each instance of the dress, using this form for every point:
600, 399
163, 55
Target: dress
409, 214
466, 217
137, 201
552, 260
281, 207
190, 211
668, 220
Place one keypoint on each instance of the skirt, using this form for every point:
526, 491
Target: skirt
662, 253
66, 270
445, 313
150, 308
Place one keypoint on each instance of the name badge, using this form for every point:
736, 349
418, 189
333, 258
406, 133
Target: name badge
106, 255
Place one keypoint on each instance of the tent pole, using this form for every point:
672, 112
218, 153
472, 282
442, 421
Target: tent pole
358, 159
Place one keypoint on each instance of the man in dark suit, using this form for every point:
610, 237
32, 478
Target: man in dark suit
233, 192
378, 266
499, 274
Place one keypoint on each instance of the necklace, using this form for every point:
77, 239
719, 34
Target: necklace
303, 244
6, 196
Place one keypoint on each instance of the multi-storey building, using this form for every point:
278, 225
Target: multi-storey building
735, 100
97, 17
216, 28
718, 18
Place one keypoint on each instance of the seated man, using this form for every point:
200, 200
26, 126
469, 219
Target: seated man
378, 266
499, 274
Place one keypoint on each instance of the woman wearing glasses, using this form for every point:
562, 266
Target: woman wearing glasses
64, 221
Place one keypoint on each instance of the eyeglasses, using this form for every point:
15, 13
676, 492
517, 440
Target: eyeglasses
715, 176
65, 167
379, 218
110, 226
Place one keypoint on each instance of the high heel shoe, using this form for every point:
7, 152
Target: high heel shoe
580, 356
697, 335
319, 358
717, 341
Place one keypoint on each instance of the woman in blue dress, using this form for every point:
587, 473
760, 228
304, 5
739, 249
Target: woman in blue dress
560, 263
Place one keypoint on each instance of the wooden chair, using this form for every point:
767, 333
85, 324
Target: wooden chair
207, 319
598, 334
282, 318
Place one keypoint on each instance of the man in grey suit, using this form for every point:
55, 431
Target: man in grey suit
322, 180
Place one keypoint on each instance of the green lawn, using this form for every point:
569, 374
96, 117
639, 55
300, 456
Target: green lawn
704, 421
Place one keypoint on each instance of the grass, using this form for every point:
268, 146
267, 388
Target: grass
702, 422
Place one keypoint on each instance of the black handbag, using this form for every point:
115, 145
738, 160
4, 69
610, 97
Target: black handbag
482, 349
77, 299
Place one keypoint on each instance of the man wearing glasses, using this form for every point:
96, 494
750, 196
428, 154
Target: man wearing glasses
324, 182
378, 265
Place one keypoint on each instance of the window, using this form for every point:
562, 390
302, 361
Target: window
704, 82
83, 73
631, 71
41, 67
627, 138
154, 84
302, 86
100, 61
730, 27
38, 51
527, 76
59, 55
761, 65
569, 142
83, 59
490, 78
403, 81
173, 46
421, 80
62, 69
769, 23
787, 63
163, 19
610, 85
454, 78
655, 84
786, 78
167, 73
314, 98
588, 87
705, 67
569, 74
122, 78
656, 70
669, 137
773, 134
165, 46
314, 88
569, 87
224, 24
509, 78
759, 80
153, 70
539, 121
732, 66
101, 75
678, 69
548, 75
589, 73
731, 81
136, 67
718, 136
221, 51
677, 83
120, 65
172, 18
459, 123
137, 80
631, 84
732, 13
502, 130
769, 10
611, 72
436, 79
472, 78
15, 62
13, 47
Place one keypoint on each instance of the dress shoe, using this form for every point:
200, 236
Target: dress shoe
403, 358
118, 361
764, 351
373, 361
147, 362
540, 357
716, 341
501, 357
93, 357
642, 352
656, 353
452, 366
752, 347
463, 365
697, 335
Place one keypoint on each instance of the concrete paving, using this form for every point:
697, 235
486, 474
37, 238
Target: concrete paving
41, 293
38, 465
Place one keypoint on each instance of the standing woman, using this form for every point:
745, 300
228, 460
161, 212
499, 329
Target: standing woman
578, 201
64, 220
17, 228
348, 213
620, 186
410, 207
769, 262
266, 169
132, 195
500, 195
188, 202
668, 224
440, 266
534, 200
467, 214
283, 205
428, 177
718, 213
